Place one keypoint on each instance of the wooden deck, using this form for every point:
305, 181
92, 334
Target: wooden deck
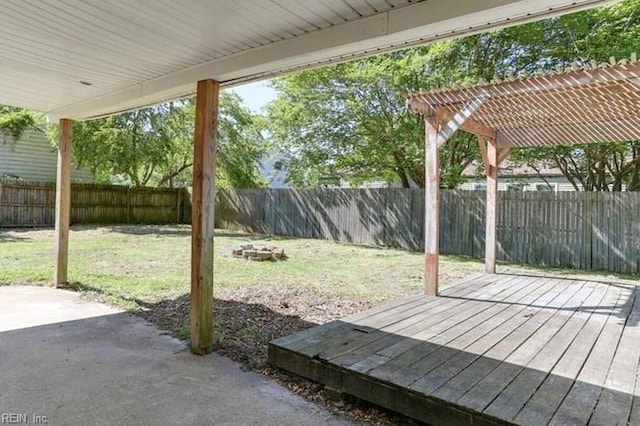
492, 349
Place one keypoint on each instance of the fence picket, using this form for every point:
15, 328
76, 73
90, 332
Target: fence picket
581, 230
577, 229
33, 204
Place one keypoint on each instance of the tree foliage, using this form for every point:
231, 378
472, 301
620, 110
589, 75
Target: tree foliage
154, 146
15, 121
593, 35
350, 120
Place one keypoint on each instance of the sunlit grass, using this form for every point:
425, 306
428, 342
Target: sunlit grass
151, 263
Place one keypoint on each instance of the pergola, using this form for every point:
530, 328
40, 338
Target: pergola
587, 103
80, 60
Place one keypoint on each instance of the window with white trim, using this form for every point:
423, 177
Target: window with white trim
544, 187
479, 186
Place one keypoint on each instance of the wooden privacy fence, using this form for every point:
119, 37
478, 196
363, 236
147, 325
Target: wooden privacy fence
33, 204
583, 230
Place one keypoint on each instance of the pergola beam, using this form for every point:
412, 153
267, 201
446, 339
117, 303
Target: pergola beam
556, 83
469, 125
503, 153
63, 203
458, 119
582, 105
204, 173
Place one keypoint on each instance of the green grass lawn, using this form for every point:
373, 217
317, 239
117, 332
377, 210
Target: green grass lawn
151, 263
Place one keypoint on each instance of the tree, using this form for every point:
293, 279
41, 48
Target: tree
593, 35
15, 121
154, 146
349, 119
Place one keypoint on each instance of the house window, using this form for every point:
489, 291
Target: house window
543, 187
515, 187
479, 186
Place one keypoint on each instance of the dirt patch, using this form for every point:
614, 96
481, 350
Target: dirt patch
247, 319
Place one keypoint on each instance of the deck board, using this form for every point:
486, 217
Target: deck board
399, 324
617, 394
325, 338
544, 403
434, 330
492, 359
500, 327
513, 398
491, 349
579, 403
438, 349
484, 391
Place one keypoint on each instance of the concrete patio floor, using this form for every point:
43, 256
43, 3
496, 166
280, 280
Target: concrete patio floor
84, 363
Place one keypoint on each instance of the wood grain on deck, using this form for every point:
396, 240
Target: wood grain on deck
491, 349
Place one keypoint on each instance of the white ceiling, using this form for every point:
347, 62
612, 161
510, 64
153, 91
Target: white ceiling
139, 52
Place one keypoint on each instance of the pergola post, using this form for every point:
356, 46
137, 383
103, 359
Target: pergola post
431, 207
63, 203
204, 165
491, 168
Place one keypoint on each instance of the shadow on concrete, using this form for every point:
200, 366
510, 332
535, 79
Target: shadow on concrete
242, 331
118, 369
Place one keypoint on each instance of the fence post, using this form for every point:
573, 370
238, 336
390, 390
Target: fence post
128, 205
178, 205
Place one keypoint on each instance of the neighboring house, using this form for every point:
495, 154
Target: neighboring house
338, 182
522, 178
268, 170
33, 158
373, 184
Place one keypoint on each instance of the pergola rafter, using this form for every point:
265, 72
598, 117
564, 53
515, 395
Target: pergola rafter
595, 103
592, 103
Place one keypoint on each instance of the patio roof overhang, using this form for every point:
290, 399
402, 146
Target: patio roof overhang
86, 59
79, 60
583, 104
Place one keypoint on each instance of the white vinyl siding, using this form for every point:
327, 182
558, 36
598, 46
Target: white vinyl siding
33, 158
560, 184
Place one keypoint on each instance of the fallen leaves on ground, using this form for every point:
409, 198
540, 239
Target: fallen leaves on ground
247, 319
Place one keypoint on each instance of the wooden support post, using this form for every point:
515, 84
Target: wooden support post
491, 168
431, 207
204, 164
63, 202
437, 133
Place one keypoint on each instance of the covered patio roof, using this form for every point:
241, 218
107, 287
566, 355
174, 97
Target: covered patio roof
85, 59
583, 104
78, 60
